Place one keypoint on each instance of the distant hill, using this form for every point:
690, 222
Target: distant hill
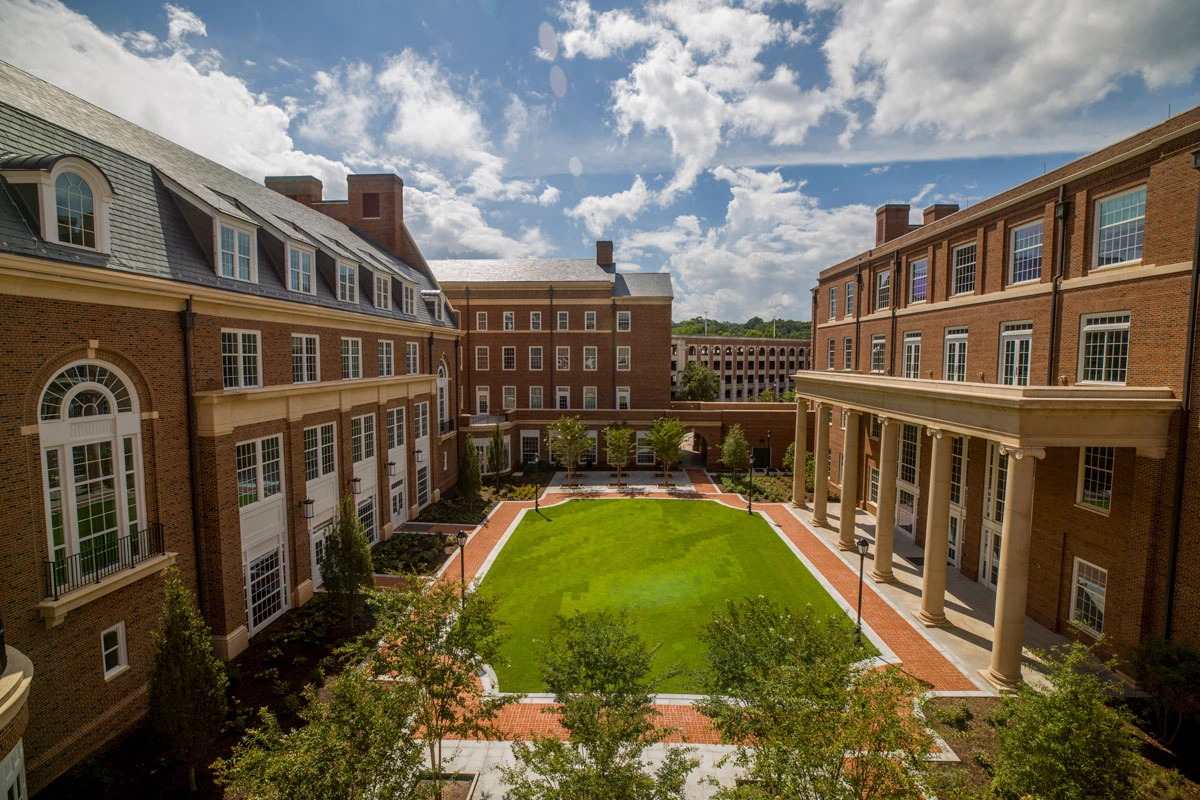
755, 326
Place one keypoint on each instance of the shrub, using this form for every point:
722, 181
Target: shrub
1170, 673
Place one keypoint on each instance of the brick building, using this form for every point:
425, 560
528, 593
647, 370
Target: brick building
746, 365
197, 369
1008, 385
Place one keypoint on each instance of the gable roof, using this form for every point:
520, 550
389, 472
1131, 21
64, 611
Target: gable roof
519, 270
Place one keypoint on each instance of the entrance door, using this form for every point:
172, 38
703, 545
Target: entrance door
908, 460
481, 400
317, 538
399, 503
989, 556
958, 499
994, 486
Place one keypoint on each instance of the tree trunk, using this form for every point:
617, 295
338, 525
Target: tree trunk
192, 778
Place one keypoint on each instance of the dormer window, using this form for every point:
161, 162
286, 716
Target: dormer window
383, 292
438, 304
235, 252
76, 210
300, 270
73, 197
410, 299
347, 282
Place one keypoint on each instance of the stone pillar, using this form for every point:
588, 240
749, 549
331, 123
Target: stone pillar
937, 525
821, 456
885, 510
1008, 631
799, 463
846, 528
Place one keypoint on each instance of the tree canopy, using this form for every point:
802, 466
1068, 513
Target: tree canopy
699, 383
755, 326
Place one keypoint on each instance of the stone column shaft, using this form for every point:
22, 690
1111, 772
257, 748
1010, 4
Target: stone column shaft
937, 525
800, 462
846, 530
885, 510
821, 473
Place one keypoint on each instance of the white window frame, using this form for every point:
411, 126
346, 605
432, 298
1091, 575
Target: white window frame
562, 358
536, 398
591, 358
624, 358
912, 280
535, 364
383, 292
347, 278
483, 358
242, 356
1106, 324
849, 298
878, 347
420, 420
831, 347
912, 345
364, 444
847, 352
1097, 230
959, 267
833, 302
508, 356
1015, 332
1012, 252
324, 438
564, 320
408, 296
306, 375
412, 358
589, 320
351, 358
535, 320
387, 358
1075, 596
561, 392
236, 227
510, 320
883, 290
590, 391
121, 650
395, 427
481, 322
295, 265
260, 482
873, 486
954, 354
371, 528
624, 321
508, 398
1085, 468
483, 400
531, 436
623, 398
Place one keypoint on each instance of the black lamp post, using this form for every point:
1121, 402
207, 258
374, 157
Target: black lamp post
768, 452
462, 564
750, 494
863, 546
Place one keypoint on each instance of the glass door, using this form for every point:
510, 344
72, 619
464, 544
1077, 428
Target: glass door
994, 487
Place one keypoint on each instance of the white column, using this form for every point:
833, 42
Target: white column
937, 524
800, 461
821, 473
885, 510
849, 505
1008, 631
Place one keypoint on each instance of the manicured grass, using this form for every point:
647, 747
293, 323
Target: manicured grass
671, 563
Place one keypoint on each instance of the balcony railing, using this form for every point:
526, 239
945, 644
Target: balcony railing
101, 557
488, 419
446, 426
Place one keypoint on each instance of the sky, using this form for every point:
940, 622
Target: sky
741, 146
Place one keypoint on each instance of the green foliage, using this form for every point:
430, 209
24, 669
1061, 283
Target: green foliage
1066, 742
699, 383
619, 440
470, 472
789, 457
568, 441
345, 563
956, 716
598, 669
766, 396
497, 452
1170, 673
810, 471
187, 680
755, 326
735, 451
665, 439
523, 491
361, 743
790, 683
409, 553
771, 489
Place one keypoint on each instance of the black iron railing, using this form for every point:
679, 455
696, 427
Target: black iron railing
101, 557
446, 426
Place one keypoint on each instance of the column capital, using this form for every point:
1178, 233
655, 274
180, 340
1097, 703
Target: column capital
938, 433
885, 421
855, 411
1021, 452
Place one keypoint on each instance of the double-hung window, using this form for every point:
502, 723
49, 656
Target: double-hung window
510, 321
912, 354
833, 302
623, 395
306, 361
481, 320
508, 397
409, 296
964, 269
300, 270
918, 280
589, 397
850, 299
883, 290
1025, 261
482, 358
1016, 343
535, 320
116, 658
848, 353
420, 420
320, 451
956, 354
236, 258
387, 360
362, 438
1104, 348
624, 359
395, 428
624, 321
535, 397
535, 357
508, 358
878, 352
589, 320
1096, 478
1087, 596
563, 394
351, 359
412, 353
383, 292
347, 282
563, 320
589, 359
832, 353
562, 358
259, 467
240, 364
1119, 224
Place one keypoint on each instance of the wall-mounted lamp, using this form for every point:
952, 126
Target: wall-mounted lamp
392, 469
356, 485
309, 511
419, 454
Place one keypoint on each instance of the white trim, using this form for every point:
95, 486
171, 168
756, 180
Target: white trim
237, 226
1095, 259
383, 280
316, 378
301, 250
241, 357
1073, 620
1087, 323
1112, 480
356, 371
483, 355
121, 651
1012, 253
350, 269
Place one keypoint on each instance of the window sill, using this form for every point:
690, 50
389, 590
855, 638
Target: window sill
116, 673
1084, 629
1137, 262
55, 611
1104, 512
1025, 282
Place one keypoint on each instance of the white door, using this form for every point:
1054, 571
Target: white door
955, 537
993, 515
906, 511
317, 538
958, 499
399, 503
481, 400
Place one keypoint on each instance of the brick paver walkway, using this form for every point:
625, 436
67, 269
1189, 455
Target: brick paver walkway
523, 720
701, 481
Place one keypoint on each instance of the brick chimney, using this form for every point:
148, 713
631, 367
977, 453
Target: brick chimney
936, 211
302, 188
604, 253
891, 221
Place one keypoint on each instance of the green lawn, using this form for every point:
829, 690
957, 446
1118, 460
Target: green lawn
672, 563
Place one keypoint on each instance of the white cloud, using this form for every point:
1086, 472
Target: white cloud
600, 211
549, 196
882, 168
181, 23
920, 195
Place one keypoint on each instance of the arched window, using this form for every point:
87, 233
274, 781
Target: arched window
75, 208
728, 351
692, 350
772, 352
704, 350
443, 386
90, 434
741, 351
791, 351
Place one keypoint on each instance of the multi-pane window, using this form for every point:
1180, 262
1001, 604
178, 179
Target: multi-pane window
236, 250
1087, 596
320, 452
112, 650
832, 302
387, 359
832, 348
409, 295
300, 270
265, 585
482, 358
510, 321
909, 452
305, 363
624, 321
347, 282
412, 354
481, 320
563, 319
589, 358
508, 398
850, 299
351, 359
422, 486
956, 354
912, 355
535, 320
259, 467
1016, 342
873, 491
239, 359
883, 290
1104, 348
508, 358
589, 397
589, 320
876, 428
383, 292
1119, 223
1025, 263
964, 269
918, 280
847, 353
623, 359
362, 438
645, 453
535, 397
878, 352
421, 420
958, 470
531, 451
395, 428
75, 209
1096, 477
367, 518
562, 358
535, 357
563, 396
623, 398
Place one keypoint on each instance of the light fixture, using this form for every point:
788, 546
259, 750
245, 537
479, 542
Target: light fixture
462, 566
863, 546
420, 455
392, 469
308, 508
356, 484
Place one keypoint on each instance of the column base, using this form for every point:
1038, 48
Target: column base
800, 504
847, 546
1003, 684
932, 620
820, 522
882, 577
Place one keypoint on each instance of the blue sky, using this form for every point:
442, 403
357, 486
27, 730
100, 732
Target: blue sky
742, 147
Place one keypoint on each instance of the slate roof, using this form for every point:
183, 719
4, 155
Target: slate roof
153, 178
551, 270
643, 284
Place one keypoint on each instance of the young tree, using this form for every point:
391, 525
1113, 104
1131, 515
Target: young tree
823, 726
346, 561
497, 454
470, 472
360, 744
598, 669
1169, 671
568, 442
735, 451
1066, 742
435, 641
767, 396
699, 382
621, 447
789, 458
187, 680
665, 439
